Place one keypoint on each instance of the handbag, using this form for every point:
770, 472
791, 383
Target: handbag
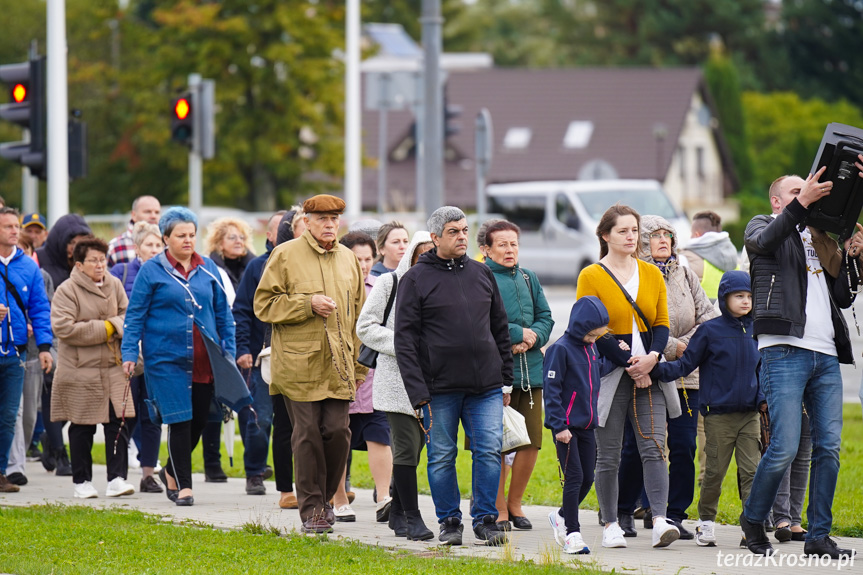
368, 357
264, 361
514, 430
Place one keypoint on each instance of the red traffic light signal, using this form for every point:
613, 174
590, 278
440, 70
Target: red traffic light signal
183, 119
19, 93
182, 108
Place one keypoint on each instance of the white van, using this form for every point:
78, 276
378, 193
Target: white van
558, 219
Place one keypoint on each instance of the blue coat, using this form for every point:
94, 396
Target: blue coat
162, 311
24, 274
572, 370
131, 270
250, 330
726, 354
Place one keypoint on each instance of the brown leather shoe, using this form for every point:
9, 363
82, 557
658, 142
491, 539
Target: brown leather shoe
329, 515
288, 501
316, 526
7, 487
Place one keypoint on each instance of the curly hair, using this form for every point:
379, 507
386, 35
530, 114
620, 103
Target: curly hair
218, 229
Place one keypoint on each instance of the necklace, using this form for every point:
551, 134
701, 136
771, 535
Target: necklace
624, 275
343, 375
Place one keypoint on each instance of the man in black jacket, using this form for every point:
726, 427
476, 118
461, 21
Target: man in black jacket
453, 350
802, 338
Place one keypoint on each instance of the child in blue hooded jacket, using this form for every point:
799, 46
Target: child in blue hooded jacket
571, 374
726, 356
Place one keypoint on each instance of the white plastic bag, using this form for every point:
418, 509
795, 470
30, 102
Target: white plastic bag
264, 361
514, 429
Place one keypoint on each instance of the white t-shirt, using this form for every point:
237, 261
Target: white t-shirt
818, 333
632, 289
7, 260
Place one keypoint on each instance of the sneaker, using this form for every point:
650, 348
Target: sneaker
575, 545
255, 485
118, 486
704, 534
134, 463
382, 511
612, 536
558, 525
345, 514
450, 531
85, 491
664, 533
17, 478
7, 486
487, 533
685, 534
34, 453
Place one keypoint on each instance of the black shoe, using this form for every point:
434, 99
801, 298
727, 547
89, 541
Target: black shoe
522, 523
382, 510
826, 546
416, 527
783, 534
255, 485
799, 536
450, 531
171, 494
648, 519
627, 523
17, 478
186, 501
756, 537
504, 525
34, 453
398, 522
268, 472
150, 485
215, 475
639, 513
487, 532
64, 468
685, 534
48, 461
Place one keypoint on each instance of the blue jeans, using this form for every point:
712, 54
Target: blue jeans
11, 388
482, 418
256, 431
791, 376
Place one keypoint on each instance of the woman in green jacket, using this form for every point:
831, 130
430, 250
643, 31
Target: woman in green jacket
530, 326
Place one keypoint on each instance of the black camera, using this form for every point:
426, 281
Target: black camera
838, 213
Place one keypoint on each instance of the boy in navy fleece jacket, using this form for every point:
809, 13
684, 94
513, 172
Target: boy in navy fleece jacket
727, 357
571, 373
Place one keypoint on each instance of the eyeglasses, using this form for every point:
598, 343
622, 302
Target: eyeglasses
657, 235
234, 238
99, 262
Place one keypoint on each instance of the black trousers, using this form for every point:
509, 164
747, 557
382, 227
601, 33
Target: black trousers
283, 453
81, 447
577, 461
183, 437
211, 440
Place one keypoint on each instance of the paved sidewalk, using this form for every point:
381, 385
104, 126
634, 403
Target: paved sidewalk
226, 505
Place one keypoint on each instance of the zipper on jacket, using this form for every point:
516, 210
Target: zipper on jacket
569, 408
770, 292
349, 301
590, 381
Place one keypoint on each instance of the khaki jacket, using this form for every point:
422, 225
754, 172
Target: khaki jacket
89, 372
303, 364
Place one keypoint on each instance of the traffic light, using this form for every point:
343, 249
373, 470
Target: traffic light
183, 120
26, 82
451, 115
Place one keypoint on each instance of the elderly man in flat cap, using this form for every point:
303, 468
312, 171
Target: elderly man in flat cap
312, 292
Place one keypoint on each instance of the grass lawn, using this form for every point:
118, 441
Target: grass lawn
55, 539
544, 487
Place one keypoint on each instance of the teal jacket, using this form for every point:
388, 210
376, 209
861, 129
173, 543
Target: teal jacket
526, 307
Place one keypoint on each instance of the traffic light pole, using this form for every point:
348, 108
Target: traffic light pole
58, 115
29, 187
432, 135
196, 161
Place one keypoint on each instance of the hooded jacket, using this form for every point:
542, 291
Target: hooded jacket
526, 307
572, 370
126, 272
451, 330
727, 354
388, 393
688, 305
715, 247
52, 255
23, 273
780, 282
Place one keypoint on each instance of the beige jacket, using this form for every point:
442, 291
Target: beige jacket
312, 359
89, 372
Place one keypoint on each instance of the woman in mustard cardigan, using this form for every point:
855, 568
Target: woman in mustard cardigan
632, 349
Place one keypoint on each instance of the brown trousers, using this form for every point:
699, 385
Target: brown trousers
321, 442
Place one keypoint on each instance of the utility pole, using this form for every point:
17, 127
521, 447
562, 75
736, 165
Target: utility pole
29, 182
432, 129
353, 112
58, 113
383, 159
483, 148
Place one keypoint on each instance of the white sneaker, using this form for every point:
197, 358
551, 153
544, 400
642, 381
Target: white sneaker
574, 544
664, 533
704, 534
345, 513
118, 487
559, 526
85, 490
133, 456
612, 536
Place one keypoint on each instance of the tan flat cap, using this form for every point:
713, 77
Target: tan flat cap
324, 203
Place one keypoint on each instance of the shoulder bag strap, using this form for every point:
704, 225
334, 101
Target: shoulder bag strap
630, 300
391, 299
10, 287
